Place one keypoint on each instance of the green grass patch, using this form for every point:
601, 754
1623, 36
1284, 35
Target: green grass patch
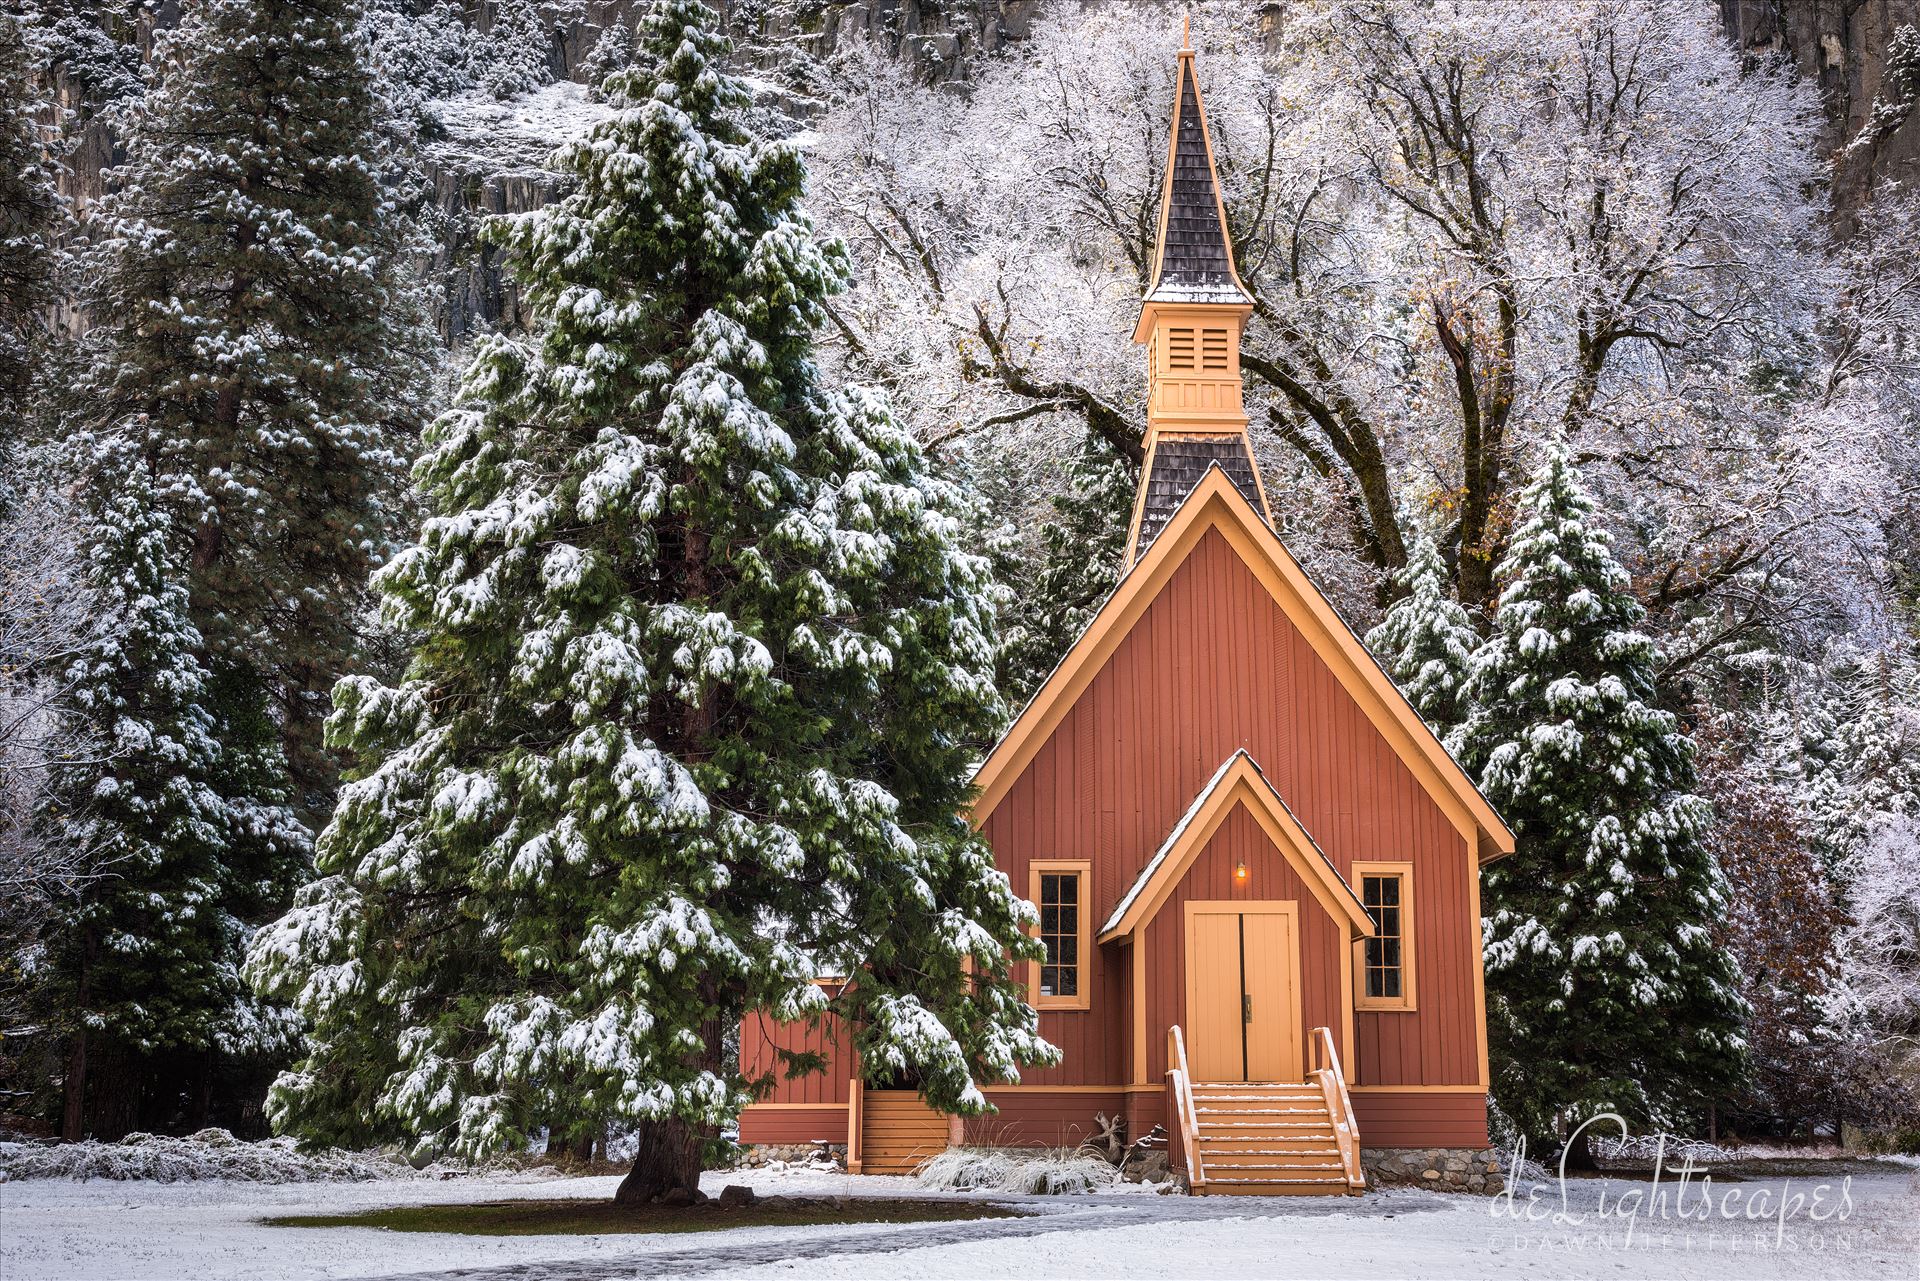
579, 1218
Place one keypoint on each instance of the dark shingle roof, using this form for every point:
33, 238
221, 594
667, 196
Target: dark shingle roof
1178, 466
1193, 257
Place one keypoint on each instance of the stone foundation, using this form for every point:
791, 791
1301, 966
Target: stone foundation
1441, 1169
754, 1155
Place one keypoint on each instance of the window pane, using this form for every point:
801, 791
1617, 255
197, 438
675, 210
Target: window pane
1059, 901
1384, 899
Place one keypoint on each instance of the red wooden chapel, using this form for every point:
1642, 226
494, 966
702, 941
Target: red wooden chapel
1257, 869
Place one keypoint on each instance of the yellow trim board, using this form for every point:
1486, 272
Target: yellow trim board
1416, 1089
1478, 963
1137, 964
1215, 505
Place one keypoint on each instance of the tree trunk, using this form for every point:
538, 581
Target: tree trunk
200, 1111
667, 1158
1579, 1153
73, 1122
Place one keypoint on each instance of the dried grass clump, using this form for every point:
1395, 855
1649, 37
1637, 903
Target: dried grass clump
1019, 1171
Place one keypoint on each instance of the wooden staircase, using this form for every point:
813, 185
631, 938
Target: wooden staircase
1267, 1139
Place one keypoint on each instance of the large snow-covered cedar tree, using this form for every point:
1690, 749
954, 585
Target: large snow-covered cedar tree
1605, 989
31, 218
700, 670
1080, 563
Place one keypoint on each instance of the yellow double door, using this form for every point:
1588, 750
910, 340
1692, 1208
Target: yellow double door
1243, 991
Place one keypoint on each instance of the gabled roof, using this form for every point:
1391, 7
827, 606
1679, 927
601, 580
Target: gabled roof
1193, 261
1238, 781
1215, 504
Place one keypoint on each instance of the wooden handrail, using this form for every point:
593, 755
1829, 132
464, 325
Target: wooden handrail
1180, 1081
856, 1125
1333, 1088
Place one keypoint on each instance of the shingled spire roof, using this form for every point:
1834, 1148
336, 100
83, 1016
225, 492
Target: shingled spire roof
1193, 262
1191, 322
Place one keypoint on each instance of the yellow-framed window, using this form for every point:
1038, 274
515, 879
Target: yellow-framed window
1063, 980
1385, 973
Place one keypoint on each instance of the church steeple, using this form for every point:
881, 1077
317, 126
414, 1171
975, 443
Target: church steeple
1191, 321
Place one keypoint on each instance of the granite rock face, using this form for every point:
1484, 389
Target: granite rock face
491, 159
1841, 45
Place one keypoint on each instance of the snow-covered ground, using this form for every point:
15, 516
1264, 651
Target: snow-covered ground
517, 134
55, 1230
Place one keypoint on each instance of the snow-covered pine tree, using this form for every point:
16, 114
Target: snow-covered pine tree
518, 55
255, 334
612, 52
1426, 642
31, 213
147, 963
1605, 990
1080, 563
700, 672
422, 50
1859, 755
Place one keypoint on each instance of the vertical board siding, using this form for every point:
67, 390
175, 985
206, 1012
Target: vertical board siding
1422, 1120
826, 1124
1038, 1119
1213, 665
761, 1036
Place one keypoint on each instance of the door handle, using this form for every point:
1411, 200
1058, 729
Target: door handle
1246, 1008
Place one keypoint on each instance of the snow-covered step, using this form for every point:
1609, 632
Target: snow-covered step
1221, 1164
1275, 1187
1266, 1167
1260, 1139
